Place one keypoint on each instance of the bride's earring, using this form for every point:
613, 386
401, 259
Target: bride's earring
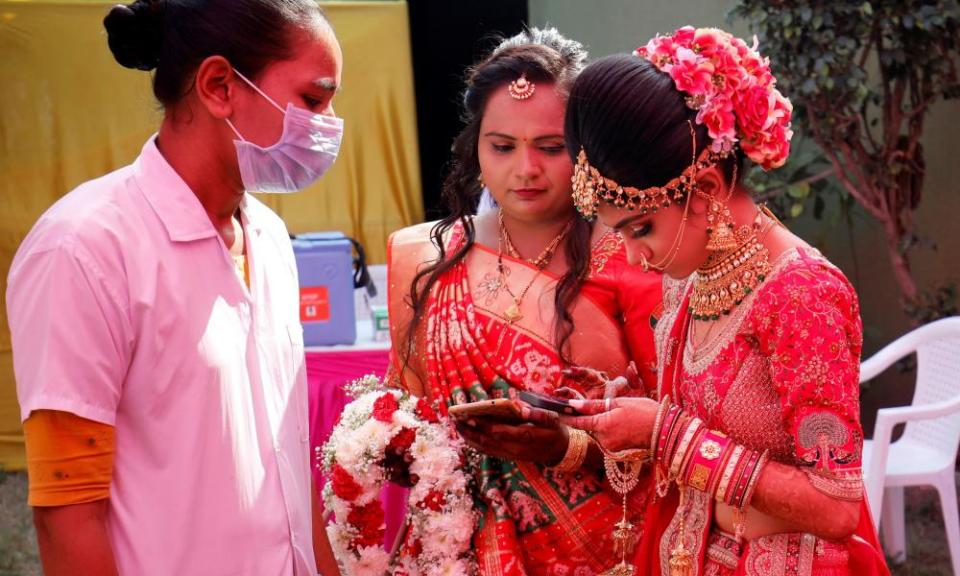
720, 226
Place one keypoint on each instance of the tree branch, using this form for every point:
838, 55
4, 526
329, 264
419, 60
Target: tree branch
775, 192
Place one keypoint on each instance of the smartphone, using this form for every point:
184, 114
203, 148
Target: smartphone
558, 405
502, 409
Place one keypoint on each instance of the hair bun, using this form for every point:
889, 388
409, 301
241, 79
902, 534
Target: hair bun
133, 34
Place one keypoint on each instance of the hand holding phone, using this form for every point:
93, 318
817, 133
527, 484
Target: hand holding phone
558, 405
501, 409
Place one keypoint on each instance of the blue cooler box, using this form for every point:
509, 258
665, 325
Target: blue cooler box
325, 267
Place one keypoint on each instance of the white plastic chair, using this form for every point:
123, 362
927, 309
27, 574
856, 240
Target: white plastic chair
926, 453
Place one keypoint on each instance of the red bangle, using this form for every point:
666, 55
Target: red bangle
755, 479
690, 431
704, 467
729, 468
667, 429
740, 488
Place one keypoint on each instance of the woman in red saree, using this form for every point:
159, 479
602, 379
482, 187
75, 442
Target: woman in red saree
480, 306
756, 440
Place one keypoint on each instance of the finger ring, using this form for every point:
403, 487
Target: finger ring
606, 405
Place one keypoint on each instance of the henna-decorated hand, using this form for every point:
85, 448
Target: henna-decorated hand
617, 424
629, 384
544, 443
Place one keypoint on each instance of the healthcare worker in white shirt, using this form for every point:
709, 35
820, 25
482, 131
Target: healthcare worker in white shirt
155, 310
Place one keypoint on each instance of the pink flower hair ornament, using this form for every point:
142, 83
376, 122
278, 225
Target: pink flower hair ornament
730, 86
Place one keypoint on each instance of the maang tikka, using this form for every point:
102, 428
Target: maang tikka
521, 88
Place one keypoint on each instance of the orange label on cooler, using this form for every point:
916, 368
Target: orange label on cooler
314, 304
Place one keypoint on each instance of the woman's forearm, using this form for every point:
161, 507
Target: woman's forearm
785, 492
699, 458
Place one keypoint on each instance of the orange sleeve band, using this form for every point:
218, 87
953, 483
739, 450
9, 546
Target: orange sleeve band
69, 458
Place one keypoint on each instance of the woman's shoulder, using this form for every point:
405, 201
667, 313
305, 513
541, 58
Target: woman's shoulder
412, 235
805, 269
803, 284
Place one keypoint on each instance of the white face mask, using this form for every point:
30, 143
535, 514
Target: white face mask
306, 150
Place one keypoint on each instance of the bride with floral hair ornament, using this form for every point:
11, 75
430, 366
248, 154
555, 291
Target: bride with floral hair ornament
756, 439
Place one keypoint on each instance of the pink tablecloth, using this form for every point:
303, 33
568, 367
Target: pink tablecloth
327, 372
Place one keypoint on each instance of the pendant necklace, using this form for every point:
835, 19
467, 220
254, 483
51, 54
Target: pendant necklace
513, 312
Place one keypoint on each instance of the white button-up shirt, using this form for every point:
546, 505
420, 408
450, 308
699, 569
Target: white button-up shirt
125, 309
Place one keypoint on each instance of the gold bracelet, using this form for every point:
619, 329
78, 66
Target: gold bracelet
577, 448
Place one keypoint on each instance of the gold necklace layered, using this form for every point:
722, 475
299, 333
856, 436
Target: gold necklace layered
730, 276
513, 313
546, 255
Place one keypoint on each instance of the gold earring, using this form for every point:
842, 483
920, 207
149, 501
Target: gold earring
720, 226
480, 180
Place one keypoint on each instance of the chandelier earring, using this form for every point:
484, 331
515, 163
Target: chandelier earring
720, 226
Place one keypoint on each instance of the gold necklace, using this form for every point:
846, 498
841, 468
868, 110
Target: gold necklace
730, 277
762, 231
543, 259
513, 313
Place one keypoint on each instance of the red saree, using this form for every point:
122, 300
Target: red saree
534, 520
783, 376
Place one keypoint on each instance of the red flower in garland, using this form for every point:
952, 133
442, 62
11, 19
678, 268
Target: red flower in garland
425, 412
402, 441
369, 521
415, 548
344, 486
434, 501
384, 407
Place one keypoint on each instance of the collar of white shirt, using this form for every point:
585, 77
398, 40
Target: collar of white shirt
174, 202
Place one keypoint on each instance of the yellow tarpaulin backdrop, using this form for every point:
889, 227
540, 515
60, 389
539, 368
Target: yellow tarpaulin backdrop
69, 113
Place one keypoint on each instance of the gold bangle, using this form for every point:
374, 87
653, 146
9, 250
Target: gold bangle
577, 448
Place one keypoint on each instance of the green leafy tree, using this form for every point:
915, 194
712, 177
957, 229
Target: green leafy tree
862, 77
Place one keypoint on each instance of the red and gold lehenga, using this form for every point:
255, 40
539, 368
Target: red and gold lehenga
782, 376
533, 520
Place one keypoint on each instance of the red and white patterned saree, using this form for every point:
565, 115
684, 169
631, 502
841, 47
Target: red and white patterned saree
534, 521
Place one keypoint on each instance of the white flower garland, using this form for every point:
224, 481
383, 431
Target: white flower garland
439, 509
